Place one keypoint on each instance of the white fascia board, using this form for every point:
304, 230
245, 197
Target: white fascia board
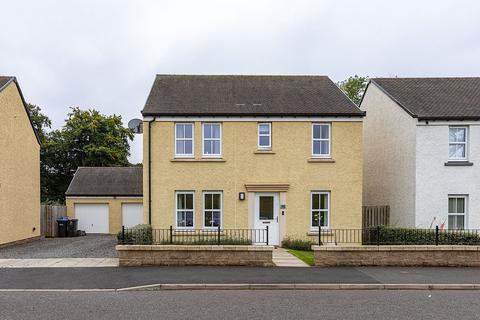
447, 123
258, 119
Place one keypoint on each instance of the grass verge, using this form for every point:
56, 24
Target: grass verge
305, 256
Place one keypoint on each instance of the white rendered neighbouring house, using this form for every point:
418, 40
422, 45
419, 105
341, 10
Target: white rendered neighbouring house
422, 150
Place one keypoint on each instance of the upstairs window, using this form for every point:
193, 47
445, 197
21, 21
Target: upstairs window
212, 140
457, 143
264, 136
321, 140
457, 209
184, 139
320, 211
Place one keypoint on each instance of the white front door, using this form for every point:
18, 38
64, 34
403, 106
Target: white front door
266, 214
132, 214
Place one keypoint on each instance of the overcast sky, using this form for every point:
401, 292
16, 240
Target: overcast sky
105, 54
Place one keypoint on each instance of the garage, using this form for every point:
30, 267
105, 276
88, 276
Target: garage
132, 214
105, 198
92, 217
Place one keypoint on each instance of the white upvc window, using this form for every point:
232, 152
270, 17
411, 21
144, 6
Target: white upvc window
265, 136
321, 140
457, 211
212, 140
185, 209
458, 143
184, 146
212, 209
320, 209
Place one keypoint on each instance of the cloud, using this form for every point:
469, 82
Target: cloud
105, 54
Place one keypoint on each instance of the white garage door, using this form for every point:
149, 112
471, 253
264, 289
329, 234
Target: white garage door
132, 214
92, 217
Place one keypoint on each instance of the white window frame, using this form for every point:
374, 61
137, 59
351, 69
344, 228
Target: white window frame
177, 209
185, 155
329, 155
464, 143
328, 193
465, 202
269, 135
219, 155
217, 210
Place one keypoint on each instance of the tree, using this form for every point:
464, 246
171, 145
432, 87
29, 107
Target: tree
40, 121
88, 138
354, 87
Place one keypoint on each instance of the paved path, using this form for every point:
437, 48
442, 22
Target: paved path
59, 263
282, 258
114, 278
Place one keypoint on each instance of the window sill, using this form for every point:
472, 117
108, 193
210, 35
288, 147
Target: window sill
324, 160
458, 164
197, 160
264, 152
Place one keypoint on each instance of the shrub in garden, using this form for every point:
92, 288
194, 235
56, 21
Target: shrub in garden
387, 235
297, 244
140, 234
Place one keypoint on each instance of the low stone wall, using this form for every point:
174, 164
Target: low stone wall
434, 256
190, 255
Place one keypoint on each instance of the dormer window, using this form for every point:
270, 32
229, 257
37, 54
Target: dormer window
457, 143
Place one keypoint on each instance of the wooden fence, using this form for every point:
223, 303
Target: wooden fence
375, 215
48, 219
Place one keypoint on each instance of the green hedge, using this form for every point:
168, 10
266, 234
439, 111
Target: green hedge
140, 234
297, 244
409, 236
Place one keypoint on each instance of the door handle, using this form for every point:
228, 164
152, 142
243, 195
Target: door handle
277, 219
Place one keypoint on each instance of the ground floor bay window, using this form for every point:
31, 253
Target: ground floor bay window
457, 211
320, 209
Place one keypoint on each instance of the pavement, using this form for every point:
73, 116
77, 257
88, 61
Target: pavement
125, 277
90, 246
252, 305
282, 258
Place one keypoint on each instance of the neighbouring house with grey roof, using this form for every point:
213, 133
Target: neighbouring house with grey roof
105, 198
422, 150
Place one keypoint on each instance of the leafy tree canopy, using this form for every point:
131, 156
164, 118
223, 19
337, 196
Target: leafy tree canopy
40, 121
354, 87
87, 139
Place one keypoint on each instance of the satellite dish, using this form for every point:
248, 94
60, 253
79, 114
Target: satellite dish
136, 125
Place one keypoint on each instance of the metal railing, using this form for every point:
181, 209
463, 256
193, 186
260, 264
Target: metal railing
385, 235
213, 236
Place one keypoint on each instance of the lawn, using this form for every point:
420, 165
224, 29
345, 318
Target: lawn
305, 256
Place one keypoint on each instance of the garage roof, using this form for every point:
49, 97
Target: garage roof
106, 181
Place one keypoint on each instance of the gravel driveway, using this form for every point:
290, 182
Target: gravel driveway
90, 246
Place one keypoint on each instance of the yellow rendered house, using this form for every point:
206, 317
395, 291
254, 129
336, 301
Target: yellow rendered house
19, 167
246, 152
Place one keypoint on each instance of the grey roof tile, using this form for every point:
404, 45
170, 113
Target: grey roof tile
435, 98
238, 95
106, 181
